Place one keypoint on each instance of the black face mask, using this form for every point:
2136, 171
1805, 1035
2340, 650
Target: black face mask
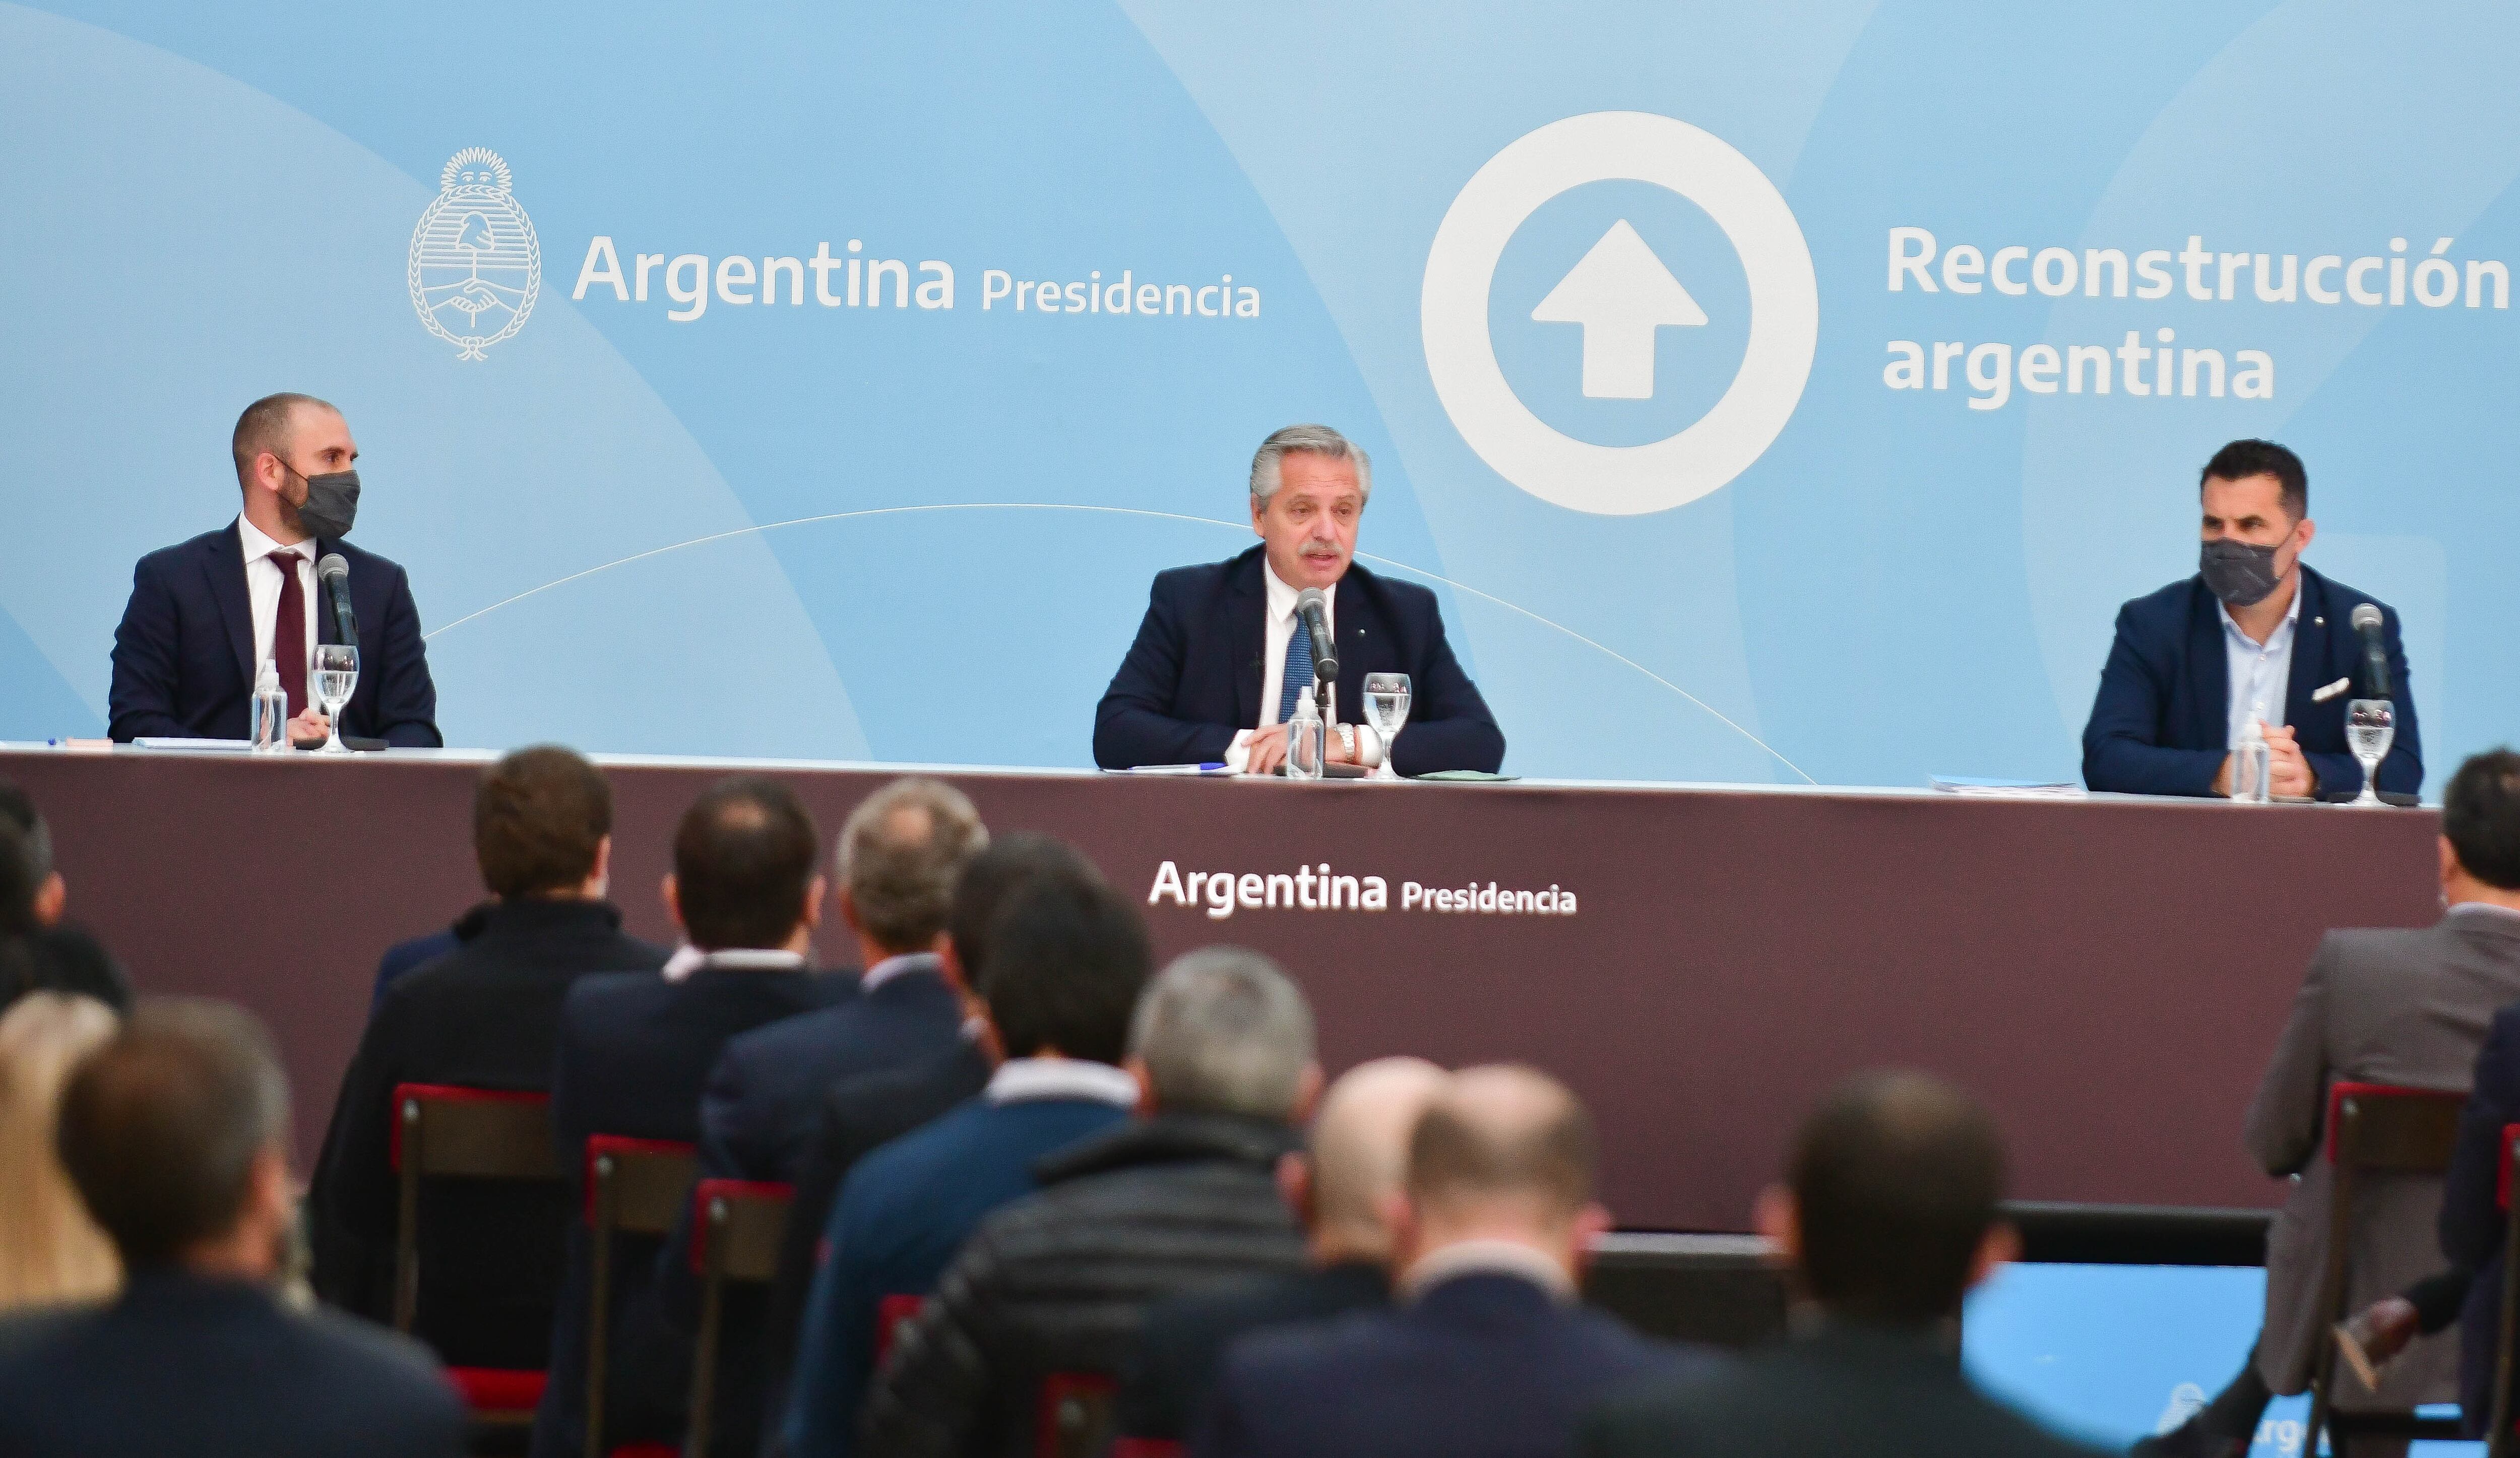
332, 503
2239, 574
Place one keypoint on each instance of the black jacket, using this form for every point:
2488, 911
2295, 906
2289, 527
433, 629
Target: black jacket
483, 1016
63, 959
1060, 1282
1184, 1346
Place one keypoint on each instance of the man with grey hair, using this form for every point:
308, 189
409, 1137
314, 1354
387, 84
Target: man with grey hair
1058, 1283
1223, 653
175, 1133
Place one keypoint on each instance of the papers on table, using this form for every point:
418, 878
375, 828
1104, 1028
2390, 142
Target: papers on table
2006, 788
221, 746
1211, 767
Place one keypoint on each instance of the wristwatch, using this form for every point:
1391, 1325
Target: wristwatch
1347, 740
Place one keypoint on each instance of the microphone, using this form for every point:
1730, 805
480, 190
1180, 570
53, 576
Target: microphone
1314, 606
335, 575
2376, 652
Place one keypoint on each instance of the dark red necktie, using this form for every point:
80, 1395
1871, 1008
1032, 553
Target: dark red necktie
289, 633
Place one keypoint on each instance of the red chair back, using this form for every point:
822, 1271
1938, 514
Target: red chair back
633, 1187
1147, 1448
1073, 1419
736, 1227
891, 1314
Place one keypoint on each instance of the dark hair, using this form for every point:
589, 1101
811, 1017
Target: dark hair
17, 810
1897, 1177
1504, 1131
18, 970
1067, 957
990, 877
264, 427
744, 859
2480, 818
2242, 459
538, 817
161, 1125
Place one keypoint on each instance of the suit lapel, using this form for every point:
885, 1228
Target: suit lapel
1361, 632
2209, 669
1247, 606
225, 569
2310, 635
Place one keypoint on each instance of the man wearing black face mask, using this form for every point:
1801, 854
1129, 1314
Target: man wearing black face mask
2254, 637
206, 614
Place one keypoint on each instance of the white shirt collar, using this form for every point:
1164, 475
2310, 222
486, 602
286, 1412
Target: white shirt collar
259, 545
2486, 908
892, 967
1282, 598
688, 959
2291, 619
1494, 1258
1021, 1079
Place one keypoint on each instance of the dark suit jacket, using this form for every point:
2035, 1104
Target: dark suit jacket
411, 956
183, 656
485, 1016
1842, 1392
2161, 724
179, 1364
859, 1115
633, 1051
1191, 680
2471, 1216
63, 959
1185, 1342
1482, 1365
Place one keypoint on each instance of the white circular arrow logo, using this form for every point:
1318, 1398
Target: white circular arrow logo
1620, 294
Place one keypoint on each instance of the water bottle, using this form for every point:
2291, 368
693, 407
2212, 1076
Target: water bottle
2251, 767
270, 712
1304, 741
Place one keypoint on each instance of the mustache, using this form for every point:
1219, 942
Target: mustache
1317, 549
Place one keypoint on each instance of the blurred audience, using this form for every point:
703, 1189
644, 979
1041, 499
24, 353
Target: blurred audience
39, 950
1058, 1284
1067, 960
51, 1254
1345, 1188
485, 1015
406, 957
634, 1050
174, 1132
1489, 1352
1889, 1215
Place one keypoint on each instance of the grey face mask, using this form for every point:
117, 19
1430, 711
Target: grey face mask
2237, 572
332, 503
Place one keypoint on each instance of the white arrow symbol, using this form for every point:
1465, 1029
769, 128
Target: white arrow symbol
1621, 294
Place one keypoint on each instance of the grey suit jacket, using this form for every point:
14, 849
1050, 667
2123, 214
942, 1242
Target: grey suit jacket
2403, 1007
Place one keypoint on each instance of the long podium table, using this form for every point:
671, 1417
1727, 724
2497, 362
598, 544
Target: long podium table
2107, 972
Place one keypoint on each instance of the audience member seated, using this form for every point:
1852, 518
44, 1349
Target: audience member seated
634, 1049
483, 1016
2378, 1005
40, 951
1058, 1283
1067, 960
51, 1254
406, 957
1345, 1188
1489, 1352
175, 1133
1888, 1217
861, 1114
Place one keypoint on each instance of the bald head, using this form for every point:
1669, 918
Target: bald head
271, 424
1505, 1136
1360, 1148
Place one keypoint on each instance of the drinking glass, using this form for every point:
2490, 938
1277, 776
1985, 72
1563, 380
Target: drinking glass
1386, 708
335, 678
2370, 727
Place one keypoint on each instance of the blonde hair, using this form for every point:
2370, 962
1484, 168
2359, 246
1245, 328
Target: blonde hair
50, 1251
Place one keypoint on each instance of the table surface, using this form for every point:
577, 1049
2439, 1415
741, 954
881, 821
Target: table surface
2108, 973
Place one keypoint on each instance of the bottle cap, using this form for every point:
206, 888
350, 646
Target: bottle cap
269, 681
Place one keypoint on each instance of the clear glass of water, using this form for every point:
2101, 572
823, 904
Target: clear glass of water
2370, 727
336, 678
1386, 708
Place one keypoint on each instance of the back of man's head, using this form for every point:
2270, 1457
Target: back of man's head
2480, 818
993, 875
539, 819
161, 1126
1067, 957
899, 854
1896, 1179
17, 883
1358, 1153
1503, 1143
269, 424
1224, 1031
18, 811
743, 864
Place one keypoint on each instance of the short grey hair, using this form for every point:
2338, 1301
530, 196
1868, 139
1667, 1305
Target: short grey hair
1316, 441
1224, 1031
900, 853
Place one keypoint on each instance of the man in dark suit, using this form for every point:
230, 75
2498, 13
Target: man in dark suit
411, 954
175, 1133
483, 1016
1490, 1352
1222, 654
205, 615
634, 1050
1889, 1218
46, 952
2254, 637
1343, 1188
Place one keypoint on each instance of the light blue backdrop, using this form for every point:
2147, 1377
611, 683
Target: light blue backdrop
925, 534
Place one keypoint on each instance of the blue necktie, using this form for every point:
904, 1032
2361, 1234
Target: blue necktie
1298, 675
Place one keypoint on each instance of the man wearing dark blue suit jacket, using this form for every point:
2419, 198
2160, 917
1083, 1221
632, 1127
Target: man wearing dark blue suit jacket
2254, 635
205, 615
1222, 655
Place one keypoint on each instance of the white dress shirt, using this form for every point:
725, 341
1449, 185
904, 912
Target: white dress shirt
2261, 673
1487, 1257
896, 966
1020, 1081
262, 590
688, 959
1277, 630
